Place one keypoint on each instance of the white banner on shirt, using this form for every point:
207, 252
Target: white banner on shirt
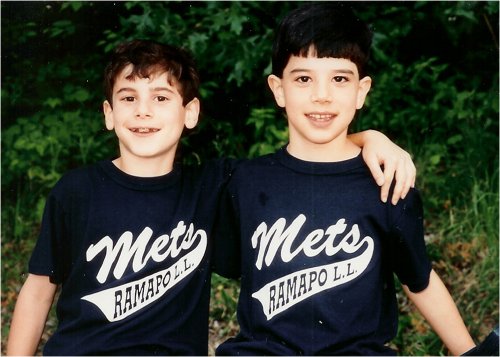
281, 294
119, 302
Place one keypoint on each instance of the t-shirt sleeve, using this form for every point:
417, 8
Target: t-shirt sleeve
226, 260
409, 255
48, 256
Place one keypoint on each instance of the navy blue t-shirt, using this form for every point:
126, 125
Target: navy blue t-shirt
316, 250
132, 256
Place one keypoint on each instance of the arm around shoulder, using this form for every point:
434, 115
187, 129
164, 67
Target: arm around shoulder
438, 308
30, 314
378, 150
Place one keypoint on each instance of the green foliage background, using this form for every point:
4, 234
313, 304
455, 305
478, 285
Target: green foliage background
435, 93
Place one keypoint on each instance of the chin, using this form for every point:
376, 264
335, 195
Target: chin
322, 140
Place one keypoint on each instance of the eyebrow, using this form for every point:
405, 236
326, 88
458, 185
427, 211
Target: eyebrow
298, 70
156, 89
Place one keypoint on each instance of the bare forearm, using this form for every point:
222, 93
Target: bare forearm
438, 308
362, 137
25, 332
29, 318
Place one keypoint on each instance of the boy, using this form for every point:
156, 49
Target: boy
314, 249
128, 240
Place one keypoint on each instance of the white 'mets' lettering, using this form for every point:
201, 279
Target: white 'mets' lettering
269, 241
126, 250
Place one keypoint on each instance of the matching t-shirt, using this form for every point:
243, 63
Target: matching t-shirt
132, 257
314, 246
316, 251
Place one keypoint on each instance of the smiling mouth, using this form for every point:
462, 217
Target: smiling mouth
144, 130
321, 117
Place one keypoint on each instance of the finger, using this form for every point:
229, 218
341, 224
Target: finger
413, 174
374, 166
405, 188
401, 182
389, 169
410, 178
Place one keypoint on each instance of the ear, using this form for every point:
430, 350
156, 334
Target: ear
192, 113
364, 87
108, 115
274, 83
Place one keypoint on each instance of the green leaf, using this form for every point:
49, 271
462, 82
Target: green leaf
454, 139
435, 159
53, 102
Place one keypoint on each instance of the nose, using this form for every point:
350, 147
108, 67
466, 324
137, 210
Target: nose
322, 93
143, 110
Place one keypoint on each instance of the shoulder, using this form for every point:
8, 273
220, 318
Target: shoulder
224, 167
412, 200
82, 174
77, 182
71, 193
408, 209
257, 163
213, 172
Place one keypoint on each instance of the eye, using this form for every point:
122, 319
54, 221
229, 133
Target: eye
303, 79
128, 99
340, 79
161, 98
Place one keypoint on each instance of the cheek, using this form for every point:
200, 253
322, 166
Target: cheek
120, 113
349, 100
175, 119
294, 99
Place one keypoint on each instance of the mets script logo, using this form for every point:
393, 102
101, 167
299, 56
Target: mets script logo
281, 294
121, 301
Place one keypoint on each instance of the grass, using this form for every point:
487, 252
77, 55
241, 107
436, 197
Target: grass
465, 250
462, 242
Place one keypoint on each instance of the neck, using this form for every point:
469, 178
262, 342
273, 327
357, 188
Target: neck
144, 167
337, 150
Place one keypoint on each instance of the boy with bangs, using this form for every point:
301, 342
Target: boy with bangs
129, 240
315, 250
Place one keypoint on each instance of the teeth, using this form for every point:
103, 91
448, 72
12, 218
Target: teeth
144, 130
321, 116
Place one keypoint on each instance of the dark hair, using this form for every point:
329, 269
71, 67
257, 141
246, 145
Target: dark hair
147, 58
332, 30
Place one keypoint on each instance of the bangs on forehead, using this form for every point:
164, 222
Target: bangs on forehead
349, 51
151, 71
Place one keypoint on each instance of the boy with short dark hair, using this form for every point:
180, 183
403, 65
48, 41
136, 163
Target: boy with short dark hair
315, 250
128, 240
